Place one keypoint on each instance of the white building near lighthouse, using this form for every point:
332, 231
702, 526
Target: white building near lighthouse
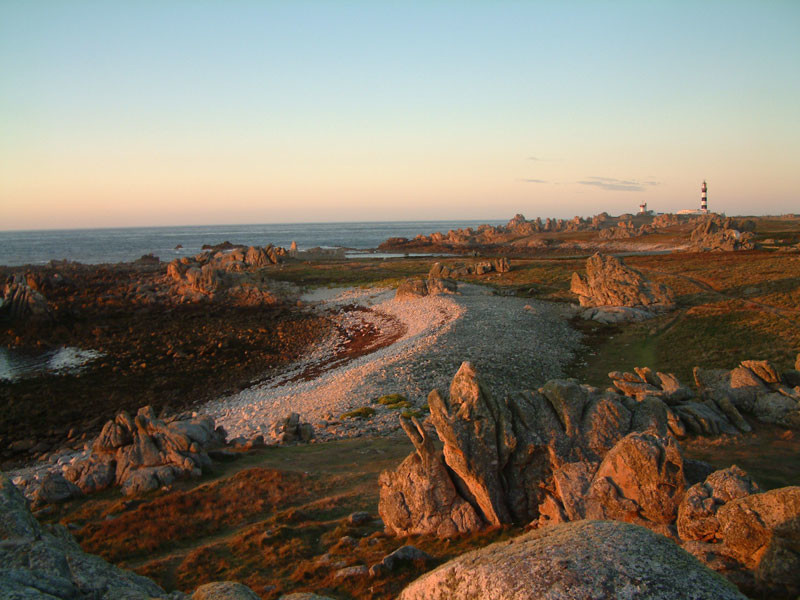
703, 210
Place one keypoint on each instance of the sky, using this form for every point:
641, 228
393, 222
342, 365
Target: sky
203, 112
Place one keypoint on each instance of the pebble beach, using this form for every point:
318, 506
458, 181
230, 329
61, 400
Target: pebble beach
515, 343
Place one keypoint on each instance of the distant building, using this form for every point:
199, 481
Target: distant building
703, 210
643, 208
704, 198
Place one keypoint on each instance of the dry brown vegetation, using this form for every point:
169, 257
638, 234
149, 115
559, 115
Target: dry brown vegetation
275, 519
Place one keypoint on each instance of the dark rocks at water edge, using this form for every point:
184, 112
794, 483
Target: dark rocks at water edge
225, 272
579, 561
568, 452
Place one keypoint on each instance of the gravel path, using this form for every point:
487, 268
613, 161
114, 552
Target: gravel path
515, 343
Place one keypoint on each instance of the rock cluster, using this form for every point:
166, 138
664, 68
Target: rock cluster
580, 561
756, 388
689, 413
441, 278
625, 230
144, 453
569, 452
723, 235
38, 563
225, 272
20, 301
291, 430
612, 291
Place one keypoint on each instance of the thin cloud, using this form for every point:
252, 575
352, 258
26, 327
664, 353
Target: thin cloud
617, 185
534, 181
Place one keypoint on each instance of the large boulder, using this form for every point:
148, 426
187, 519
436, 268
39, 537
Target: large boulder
411, 289
39, 563
580, 561
609, 282
752, 538
697, 514
640, 481
45, 563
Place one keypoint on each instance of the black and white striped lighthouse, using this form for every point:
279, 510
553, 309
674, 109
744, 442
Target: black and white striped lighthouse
704, 198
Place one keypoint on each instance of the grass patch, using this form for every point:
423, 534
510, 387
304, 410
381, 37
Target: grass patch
394, 401
408, 413
365, 412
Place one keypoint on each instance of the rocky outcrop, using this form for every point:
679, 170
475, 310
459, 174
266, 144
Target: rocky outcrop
568, 452
697, 513
441, 278
583, 560
610, 283
688, 412
38, 562
754, 388
144, 453
754, 538
419, 497
20, 301
717, 234
410, 289
530, 457
722, 399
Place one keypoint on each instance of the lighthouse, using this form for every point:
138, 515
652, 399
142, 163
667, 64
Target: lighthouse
704, 198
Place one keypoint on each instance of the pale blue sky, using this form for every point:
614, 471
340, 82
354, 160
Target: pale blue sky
158, 113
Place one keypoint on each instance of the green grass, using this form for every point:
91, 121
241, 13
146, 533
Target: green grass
365, 412
394, 401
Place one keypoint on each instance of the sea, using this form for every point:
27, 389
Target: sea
97, 246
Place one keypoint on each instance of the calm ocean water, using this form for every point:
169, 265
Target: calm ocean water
93, 246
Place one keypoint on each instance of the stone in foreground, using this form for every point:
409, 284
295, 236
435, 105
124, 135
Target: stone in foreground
580, 560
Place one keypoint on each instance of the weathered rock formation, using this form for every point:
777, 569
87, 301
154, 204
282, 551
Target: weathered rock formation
569, 452
755, 388
144, 453
45, 563
612, 291
580, 561
505, 461
690, 413
723, 235
20, 301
